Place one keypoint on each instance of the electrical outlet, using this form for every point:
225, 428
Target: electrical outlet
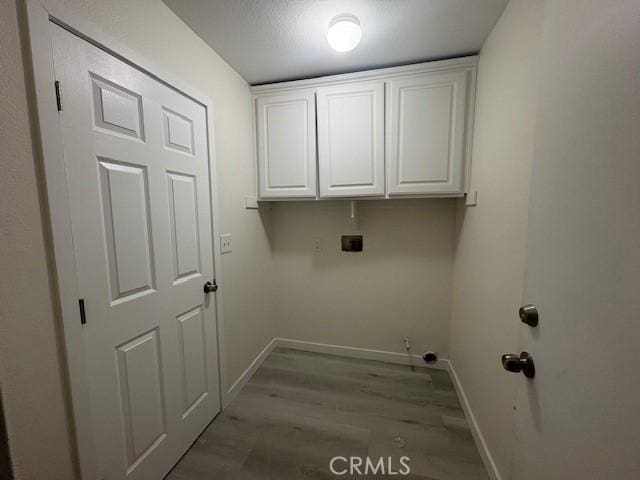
317, 245
225, 243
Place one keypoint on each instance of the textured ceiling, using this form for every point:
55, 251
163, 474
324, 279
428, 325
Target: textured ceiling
274, 40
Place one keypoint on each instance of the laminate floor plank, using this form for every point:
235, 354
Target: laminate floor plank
301, 409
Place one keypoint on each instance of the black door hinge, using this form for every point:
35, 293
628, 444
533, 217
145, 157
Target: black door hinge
83, 315
58, 95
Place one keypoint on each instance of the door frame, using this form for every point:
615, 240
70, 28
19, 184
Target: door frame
50, 155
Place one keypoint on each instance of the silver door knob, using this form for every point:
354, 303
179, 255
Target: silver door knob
210, 287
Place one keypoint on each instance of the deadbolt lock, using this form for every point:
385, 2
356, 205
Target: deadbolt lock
529, 315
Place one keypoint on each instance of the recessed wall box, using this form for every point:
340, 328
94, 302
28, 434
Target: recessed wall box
352, 243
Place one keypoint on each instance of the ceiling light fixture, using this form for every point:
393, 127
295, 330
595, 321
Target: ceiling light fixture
344, 32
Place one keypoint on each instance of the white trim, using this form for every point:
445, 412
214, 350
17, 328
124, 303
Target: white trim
471, 118
363, 353
39, 15
249, 372
377, 74
267, 200
52, 158
481, 444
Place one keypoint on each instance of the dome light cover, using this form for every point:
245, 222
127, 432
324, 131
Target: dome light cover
344, 32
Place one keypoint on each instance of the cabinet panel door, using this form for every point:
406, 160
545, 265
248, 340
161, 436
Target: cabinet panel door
427, 118
287, 144
351, 139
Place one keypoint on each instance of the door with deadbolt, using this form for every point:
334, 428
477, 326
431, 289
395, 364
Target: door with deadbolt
137, 166
577, 418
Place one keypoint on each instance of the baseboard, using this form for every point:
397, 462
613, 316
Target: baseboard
473, 425
363, 353
248, 373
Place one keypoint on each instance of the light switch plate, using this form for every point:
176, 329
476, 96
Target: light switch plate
225, 243
471, 198
251, 202
317, 245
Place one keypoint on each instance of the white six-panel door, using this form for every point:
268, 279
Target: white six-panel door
351, 139
136, 157
427, 117
286, 135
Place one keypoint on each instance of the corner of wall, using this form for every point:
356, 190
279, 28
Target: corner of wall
490, 240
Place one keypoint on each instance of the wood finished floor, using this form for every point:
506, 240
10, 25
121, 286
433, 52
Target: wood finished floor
301, 409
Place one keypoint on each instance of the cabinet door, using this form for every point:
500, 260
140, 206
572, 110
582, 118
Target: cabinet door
427, 118
287, 144
351, 139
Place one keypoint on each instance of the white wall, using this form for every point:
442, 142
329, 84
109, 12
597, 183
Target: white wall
400, 285
30, 367
491, 237
579, 418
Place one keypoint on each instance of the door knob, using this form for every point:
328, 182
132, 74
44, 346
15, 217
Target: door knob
529, 315
512, 362
210, 287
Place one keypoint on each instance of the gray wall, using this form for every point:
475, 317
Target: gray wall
491, 237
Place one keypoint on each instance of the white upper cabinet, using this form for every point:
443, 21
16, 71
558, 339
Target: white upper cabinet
351, 139
392, 132
426, 133
286, 135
